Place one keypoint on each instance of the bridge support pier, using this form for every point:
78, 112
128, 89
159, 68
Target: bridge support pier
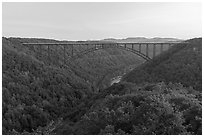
154, 47
161, 48
48, 50
132, 46
64, 54
33, 47
56, 48
72, 50
140, 48
169, 46
147, 49
40, 51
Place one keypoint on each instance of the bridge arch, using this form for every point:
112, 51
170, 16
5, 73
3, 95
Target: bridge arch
79, 55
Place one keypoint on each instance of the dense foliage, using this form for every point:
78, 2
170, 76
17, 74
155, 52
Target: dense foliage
141, 107
159, 97
151, 109
34, 94
95, 67
36, 91
182, 64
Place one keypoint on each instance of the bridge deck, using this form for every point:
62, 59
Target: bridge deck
85, 43
134, 47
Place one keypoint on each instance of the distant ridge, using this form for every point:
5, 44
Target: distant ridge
106, 40
142, 39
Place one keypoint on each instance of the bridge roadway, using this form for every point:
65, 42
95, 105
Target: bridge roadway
93, 46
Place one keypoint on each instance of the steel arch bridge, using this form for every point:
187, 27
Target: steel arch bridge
75, 50
107, 46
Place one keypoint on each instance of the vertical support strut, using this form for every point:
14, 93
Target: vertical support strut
48, 50
72, 50
33, 47
64, 53
56, 48
56, 51
40, 51
161, 48
140, 47
147, 49
125, 45
168, 46
154, 47
132, 46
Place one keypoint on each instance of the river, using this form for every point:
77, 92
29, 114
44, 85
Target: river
115, 80
118, 78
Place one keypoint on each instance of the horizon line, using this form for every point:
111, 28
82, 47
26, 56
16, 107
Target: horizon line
58, 39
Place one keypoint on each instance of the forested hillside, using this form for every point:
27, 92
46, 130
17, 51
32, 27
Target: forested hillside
182, 64
159, 97
92, 67
33, 93
145, 106
36, 91
128, 109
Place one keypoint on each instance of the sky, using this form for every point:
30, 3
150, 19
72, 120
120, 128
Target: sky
93, 21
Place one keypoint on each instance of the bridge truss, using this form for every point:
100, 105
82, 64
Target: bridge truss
77, 49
